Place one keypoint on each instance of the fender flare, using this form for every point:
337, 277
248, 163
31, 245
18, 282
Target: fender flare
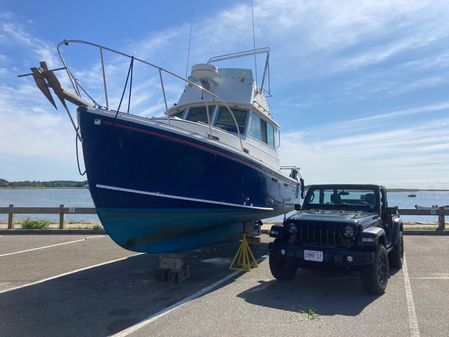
398, 227
372, 236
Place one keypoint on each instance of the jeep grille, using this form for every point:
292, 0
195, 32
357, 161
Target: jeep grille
319, 234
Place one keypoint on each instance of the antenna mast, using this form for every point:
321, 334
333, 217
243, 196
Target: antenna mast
254, 41
188, 50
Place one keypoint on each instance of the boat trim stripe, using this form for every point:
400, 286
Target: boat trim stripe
163, 195
180, 140
233, 157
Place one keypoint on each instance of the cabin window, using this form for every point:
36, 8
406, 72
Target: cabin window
178, 114
262, 130
226, 122
258, 128
199, 114
270, 135
277, 137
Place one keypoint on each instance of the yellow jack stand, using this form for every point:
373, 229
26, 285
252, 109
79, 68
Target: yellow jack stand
244, 260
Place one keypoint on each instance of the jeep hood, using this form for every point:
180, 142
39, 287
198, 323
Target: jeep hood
334, 216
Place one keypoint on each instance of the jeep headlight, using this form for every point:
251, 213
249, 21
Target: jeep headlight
348, 232
291, 228
291, 232
277, 231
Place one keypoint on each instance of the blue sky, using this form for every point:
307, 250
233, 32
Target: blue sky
360, 88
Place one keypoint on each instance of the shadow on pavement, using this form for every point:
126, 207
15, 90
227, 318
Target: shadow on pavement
109, 298
325, 292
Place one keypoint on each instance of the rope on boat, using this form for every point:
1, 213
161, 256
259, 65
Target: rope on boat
130, 83
77, 137
130, 71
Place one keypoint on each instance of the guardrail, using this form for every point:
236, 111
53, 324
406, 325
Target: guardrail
12, 210
441, 213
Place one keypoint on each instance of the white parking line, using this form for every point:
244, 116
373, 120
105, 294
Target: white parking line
173, 307
50, 246
178, 304
412, 319
68, 273
430, 278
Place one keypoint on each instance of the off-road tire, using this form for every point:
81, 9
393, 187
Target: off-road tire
397, 255
281, 269
375, 276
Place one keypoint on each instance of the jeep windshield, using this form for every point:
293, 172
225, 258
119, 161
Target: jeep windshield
341, 198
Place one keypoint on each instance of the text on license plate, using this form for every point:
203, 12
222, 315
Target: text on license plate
313, 255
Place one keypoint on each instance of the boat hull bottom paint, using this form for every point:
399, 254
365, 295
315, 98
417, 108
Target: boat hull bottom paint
166, 231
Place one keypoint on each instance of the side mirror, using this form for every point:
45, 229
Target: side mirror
393, 210
297, 207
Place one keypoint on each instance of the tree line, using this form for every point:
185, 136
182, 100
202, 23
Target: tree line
43, 184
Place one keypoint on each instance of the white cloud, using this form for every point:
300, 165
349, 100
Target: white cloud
395, 157
33, 138
363, 125
14, 34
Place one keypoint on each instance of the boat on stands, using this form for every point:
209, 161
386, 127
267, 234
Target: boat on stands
201, 174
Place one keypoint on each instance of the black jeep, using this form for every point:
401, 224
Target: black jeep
340, 227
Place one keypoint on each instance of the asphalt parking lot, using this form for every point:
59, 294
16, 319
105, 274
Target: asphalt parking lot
69, 285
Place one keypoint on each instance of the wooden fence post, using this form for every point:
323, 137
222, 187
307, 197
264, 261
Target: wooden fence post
441, 222
61, 216
11, 217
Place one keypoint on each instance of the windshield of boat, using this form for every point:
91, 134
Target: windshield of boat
199, 114
341, 198
226, 122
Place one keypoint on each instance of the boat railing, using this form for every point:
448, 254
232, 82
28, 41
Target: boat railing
252, 52
78, 88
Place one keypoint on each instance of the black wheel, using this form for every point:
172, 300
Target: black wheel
397, 255
375, 276
281, 269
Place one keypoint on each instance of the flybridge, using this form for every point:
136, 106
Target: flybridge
198, 88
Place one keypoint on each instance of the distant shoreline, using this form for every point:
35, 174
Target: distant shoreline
43, 188
5, 184
70, 186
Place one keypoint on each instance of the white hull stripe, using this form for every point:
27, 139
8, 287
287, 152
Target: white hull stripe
162, 195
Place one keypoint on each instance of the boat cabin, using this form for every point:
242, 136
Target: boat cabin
228, 89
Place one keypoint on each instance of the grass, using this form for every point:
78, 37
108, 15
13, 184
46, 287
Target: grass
82, 222
420, 228
310, 314
35, 224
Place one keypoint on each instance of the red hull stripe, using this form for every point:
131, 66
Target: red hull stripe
182, 141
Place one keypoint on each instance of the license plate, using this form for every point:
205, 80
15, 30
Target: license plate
313, 255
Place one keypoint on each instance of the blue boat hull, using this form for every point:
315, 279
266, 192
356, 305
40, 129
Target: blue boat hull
159, 191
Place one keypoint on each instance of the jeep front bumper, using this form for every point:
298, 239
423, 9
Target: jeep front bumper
330, 256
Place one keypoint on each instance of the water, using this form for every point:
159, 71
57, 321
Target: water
80, 197
36, 197
427, 199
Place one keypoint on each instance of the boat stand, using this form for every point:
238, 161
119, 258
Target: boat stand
244, 260
173, 268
